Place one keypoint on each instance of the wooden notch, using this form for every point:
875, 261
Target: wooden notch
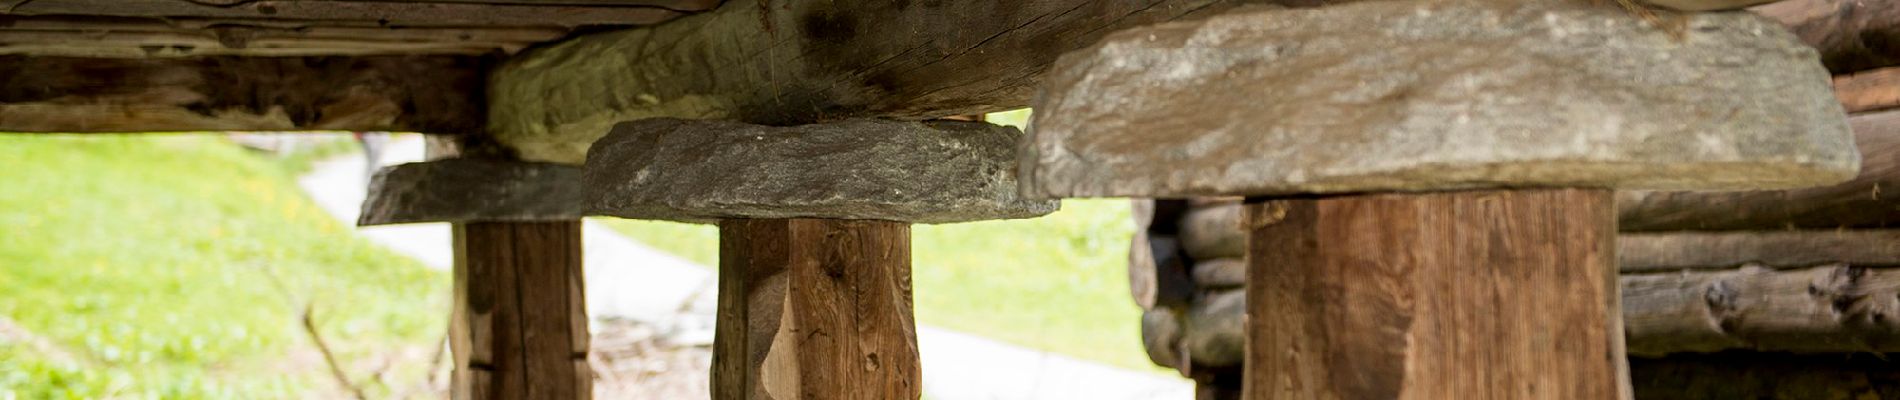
1470, 295
520, 324
815, 309
1869, 91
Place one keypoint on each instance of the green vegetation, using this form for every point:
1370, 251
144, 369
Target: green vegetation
174, 266
1057, 283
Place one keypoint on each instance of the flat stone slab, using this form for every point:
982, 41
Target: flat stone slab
702, 171
473, 190
1424, 95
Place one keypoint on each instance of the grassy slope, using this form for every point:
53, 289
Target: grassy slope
148, 258
1057, 283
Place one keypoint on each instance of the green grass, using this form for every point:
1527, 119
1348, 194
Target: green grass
1057, 283
151, 259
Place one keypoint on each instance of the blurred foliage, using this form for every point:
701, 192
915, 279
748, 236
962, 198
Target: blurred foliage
151, 260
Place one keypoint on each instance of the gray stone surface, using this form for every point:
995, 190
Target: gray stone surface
470, 190
700, 171
1435, 95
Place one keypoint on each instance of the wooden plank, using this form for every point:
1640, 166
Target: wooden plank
779, 63
815, 308
384, 12
1867, 201
520, 317
1675, 251
1469, 295
432, 94
1873, 90
1852, 35
147, 37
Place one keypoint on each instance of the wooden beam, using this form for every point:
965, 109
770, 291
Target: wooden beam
384, 12
1872, 90
1868, 201
1504, 294
431, 94
1852, 35
1675, 251
520, 325
1832, 308
151, 37
815, 308
799, 62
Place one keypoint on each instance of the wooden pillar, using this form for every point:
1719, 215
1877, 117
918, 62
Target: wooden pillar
1497, 294
520, 325
815, 309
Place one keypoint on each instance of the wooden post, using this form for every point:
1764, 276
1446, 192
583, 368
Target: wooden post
815, 309
520, 325
1499, 294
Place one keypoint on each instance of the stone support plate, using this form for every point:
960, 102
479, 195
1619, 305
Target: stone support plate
1436, 95
700, 171
473, 190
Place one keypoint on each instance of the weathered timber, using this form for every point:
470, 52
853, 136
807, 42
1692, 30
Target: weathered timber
433, 94
1673, 251
520, 324
466, 190
815, 309
1864, 202
384, 12
1706, 5
1473, 295
1159, 270
1220, 273
1766, 376
1161, 337
1213, 230
1218, 384
1851, 35
1830, 308
695, 171
1210, 337
782, 63
1869, 91
1229, 110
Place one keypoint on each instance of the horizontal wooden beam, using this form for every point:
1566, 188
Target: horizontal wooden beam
799, 62
1852, 35
1766, 376
152, 37
1825, 309
1866, 91
1675, 251
385, 12
1867, 201
431, 94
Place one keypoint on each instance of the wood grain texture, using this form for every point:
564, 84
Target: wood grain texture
1852, 35
1867, 201
1830, 308
1675, 251
815, 309
782, 63
1865, 91
385, 12
383, 93
520, 325
1158, 266
1468, 295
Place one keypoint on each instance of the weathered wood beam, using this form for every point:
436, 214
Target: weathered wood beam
385, 12
1852, 35
520, 324
1866, 91
1867, 201
799, 62
1832, 308
431, 94
815, 308
1675, 251
153, 37
1431, 296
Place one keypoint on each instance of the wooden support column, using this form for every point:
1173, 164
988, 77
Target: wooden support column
1501, 294
520, 325
815, 309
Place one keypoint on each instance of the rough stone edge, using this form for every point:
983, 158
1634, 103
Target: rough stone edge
472, 190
